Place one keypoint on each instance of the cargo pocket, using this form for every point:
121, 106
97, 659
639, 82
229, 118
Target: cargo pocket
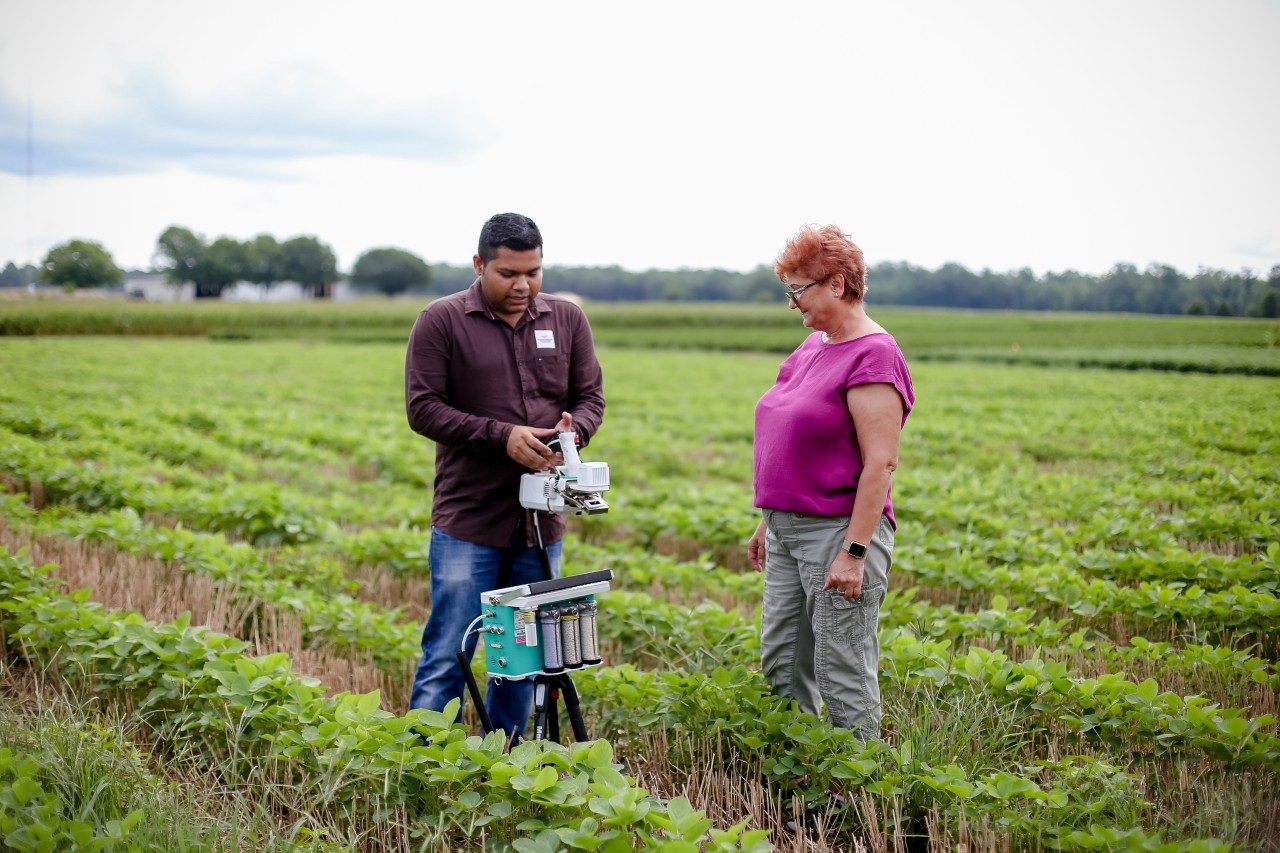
851, 619
846, 619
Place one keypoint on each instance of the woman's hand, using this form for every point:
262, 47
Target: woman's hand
845, 575
755, 547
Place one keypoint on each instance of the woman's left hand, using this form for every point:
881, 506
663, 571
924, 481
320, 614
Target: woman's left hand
845, 575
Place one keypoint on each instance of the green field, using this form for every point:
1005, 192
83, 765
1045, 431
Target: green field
1187, 344
1080, 645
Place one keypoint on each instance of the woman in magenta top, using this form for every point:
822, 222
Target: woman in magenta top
826, 447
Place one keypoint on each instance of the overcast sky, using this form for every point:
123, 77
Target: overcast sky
1052, 135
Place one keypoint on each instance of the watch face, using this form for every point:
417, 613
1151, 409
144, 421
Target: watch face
856, 549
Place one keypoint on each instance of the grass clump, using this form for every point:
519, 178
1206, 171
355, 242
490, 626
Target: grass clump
72, 778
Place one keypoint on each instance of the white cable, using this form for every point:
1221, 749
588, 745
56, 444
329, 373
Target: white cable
466, 633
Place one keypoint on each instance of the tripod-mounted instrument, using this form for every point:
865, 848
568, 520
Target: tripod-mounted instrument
548, 628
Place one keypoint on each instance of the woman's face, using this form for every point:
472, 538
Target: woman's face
814, 301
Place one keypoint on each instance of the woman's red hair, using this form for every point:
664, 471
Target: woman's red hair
820, 252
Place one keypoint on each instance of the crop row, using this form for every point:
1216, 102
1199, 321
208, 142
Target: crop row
1074, 802
700, 639
1147, 603
198, 684
1110, 707
945, 558
1021, 626
244, 443
266, 513
1016, 515
269, 514
327, 616
986, 519
192, 685
272, 514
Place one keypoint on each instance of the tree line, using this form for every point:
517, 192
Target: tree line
188, 258
1159, 289
212, 266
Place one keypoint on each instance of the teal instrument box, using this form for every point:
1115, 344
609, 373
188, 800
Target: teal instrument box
514, 645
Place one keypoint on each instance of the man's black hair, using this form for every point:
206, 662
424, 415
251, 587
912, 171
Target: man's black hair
516, 232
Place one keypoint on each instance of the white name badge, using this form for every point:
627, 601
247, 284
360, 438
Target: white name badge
545, 338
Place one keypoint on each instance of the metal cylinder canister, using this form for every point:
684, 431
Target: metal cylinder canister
589, 642
569, 647
549, 628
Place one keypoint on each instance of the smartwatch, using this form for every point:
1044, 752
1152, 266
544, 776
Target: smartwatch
854, 549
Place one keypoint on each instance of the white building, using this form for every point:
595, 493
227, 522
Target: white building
153, 287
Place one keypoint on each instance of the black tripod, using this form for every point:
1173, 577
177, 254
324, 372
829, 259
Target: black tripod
547, 689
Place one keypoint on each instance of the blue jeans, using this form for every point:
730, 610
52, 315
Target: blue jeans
460, 571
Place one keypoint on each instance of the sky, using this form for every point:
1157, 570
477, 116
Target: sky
1003, 135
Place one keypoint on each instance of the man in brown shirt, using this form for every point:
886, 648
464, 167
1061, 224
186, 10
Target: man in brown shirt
490, 372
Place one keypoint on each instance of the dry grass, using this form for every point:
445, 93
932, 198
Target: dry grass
389, 590
162, 591
729, 788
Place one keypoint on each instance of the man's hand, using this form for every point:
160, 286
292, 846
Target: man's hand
845, 576
526, 447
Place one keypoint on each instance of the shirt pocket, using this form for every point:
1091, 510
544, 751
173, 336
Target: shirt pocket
552, 372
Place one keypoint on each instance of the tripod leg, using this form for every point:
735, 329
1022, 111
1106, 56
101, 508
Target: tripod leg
553, 709
573, 709
540, 708
474, 689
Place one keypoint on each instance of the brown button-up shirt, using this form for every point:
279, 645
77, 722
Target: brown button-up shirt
470, 378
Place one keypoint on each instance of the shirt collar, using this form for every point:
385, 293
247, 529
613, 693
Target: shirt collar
474, 303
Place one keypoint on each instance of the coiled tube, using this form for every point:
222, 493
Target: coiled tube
589, 641
569, 647
549, 628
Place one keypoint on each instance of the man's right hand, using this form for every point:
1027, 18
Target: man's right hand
525, 446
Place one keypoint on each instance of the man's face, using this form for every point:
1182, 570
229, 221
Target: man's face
510, 281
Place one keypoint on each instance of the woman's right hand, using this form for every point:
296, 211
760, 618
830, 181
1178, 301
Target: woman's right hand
755, 547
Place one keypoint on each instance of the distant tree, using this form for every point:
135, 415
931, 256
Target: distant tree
1270, 304
310, 263
224, 264
1224, 309
1196, 307
80, 263
180, 252
263, 260
186, 257
390, 270
16, 276
762, 285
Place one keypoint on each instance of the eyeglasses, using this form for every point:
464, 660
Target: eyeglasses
794, 295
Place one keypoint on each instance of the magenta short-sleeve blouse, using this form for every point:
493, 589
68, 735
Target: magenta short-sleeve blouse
807, 458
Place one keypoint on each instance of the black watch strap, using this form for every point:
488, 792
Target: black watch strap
857, 550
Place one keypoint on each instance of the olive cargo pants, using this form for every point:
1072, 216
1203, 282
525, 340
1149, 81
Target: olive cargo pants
819, 647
